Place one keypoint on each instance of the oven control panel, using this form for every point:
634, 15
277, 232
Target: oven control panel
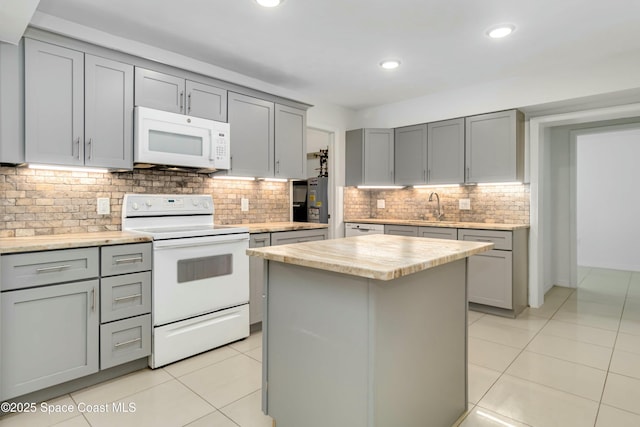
164, 204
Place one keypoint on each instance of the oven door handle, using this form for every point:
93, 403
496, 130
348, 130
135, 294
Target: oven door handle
190, 243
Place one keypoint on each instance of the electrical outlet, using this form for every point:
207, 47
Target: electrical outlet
103, 206
464, 204
244, 205
380, 204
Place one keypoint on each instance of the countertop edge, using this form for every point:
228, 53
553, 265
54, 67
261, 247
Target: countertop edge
9, 245
445, 224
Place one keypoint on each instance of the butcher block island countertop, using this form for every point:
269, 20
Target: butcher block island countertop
66, 241
379, 256
366, 331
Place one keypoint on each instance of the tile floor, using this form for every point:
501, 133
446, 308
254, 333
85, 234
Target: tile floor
573, 362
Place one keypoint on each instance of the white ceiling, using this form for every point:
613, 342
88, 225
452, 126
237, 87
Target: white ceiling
330, 49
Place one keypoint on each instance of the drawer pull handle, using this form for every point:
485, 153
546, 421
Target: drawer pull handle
54, 268
127, 297
128, 260
120, 344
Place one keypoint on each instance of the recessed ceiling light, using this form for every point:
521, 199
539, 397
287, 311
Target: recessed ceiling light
499, 31
269, 3
390, 64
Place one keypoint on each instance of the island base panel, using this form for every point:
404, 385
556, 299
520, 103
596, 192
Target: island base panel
346, 350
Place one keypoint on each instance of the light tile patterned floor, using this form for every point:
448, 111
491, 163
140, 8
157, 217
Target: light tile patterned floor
573, 362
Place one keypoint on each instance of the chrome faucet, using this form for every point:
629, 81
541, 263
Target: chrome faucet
439, 213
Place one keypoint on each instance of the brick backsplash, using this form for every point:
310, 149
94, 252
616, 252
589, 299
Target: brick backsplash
37, 202
492, 203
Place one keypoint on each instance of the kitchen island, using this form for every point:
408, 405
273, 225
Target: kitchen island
366, 331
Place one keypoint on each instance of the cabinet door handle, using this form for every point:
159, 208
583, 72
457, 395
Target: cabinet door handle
77, 144
260, 240
181, 100
127, 297
428, 175
93, 299
128, 260
54, 268
120, 344
189, 103
277, 166
90, 146
467, 172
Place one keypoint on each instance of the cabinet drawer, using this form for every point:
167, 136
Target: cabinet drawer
125, 296
123, 259
286, 237
125, 340
438, 233
401, 230
502, 240
26, 270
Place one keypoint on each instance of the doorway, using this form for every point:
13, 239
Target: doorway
550, 236
605, 210
321, 161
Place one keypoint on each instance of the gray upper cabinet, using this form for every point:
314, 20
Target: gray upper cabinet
369, 157
252, 135
178, 95
78, 109
411, 155
495, 147
160, 91
206, 101
54, 104
445, 152
290, 142
11, 103
108, 113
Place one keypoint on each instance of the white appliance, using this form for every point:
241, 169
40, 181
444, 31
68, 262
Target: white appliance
176, 140
200, 279
354, 229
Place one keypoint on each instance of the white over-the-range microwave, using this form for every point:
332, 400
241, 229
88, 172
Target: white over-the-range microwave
173, 140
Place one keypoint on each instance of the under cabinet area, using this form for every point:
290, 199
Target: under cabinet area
178, 95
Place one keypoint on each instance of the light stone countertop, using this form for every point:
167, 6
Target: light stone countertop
447, 224
270, 227
379, 256
66, 241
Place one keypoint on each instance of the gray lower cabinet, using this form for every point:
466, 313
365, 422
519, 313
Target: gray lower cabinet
78, 108
54, 104
445, 153
410, 155
369, 157
438, 233
49, 326
125, 303
298, 236
178, 95
252, 123
497, 280
257, 277
256, 264
494, 147
290, 142
401, 230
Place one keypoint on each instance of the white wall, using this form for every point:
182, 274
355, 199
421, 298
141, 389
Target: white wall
619, 73
608, 208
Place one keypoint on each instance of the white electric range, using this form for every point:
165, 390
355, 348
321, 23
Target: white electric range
200, 278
